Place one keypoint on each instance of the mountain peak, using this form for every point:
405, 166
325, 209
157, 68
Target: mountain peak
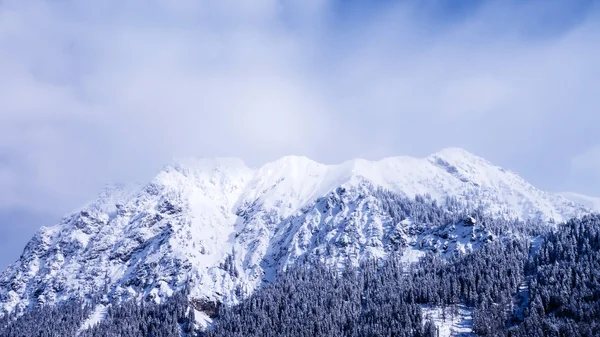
454, 151
294, 159
459, 155
291, 165
592, 203
205, 164
225, 228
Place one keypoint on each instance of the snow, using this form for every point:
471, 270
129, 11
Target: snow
448, 172
300, 180
536, 243
203, 321
149, 240
96, 317
81, 237
454, 324
412, 255
592, 203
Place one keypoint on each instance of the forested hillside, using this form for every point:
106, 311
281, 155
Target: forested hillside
386, 301
556, 272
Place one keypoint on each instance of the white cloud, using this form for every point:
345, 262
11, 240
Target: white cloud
474, 95
587, 161
98, 91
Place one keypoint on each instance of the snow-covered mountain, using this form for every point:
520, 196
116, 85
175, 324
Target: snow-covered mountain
592, 203
224, 228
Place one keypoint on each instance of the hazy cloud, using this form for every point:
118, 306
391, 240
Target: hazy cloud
587, 162
99, 91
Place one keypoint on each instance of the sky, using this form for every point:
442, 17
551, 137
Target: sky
101, 91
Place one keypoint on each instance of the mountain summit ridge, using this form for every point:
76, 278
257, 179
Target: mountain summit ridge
224, 228
386, 172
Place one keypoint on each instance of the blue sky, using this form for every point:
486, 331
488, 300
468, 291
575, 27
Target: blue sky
105, 91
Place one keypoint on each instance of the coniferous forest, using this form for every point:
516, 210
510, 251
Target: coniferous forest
535, 282
299, 168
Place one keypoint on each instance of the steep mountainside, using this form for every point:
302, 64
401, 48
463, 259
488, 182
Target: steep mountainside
587, 201
224, 228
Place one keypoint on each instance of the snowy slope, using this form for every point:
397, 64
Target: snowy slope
225, 228
592, 203
96, 317
451, 321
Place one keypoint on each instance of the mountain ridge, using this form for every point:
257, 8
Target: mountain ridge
588, 201
224, 228
377, 171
